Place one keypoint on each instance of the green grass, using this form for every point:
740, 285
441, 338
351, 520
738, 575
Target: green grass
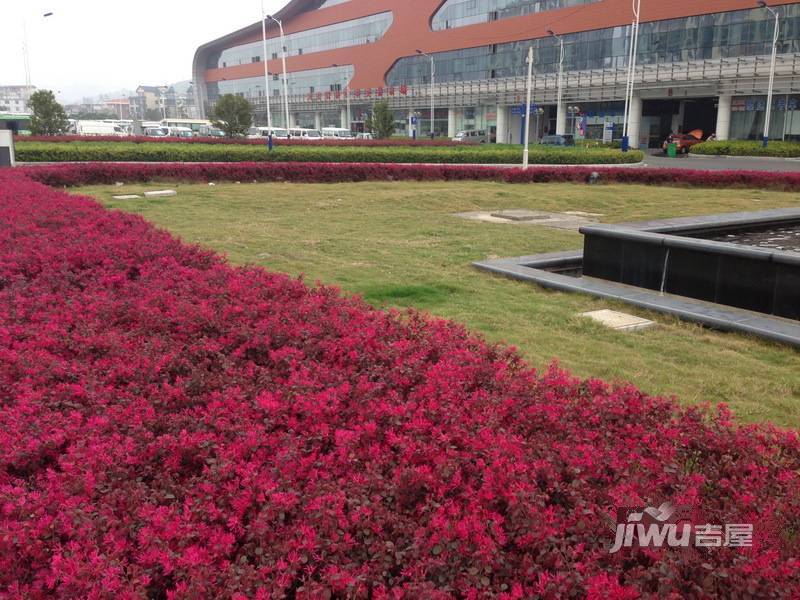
397, 244
27, 151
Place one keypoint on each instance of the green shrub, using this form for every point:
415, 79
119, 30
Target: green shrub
171, 152
748, 148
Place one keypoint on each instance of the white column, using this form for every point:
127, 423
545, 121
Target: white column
502, 124
723, 131
561, 119
635, 122
411, 128
317, 120
343, 118
292, 120
451, 122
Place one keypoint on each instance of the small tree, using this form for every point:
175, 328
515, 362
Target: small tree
381, 122
233, 114
48, 116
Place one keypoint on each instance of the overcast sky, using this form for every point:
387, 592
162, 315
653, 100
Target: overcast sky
90, 47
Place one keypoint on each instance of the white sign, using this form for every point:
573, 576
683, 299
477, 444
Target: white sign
608, 133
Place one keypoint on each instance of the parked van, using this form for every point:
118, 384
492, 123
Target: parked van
336, 133
474, 136
255, 133
180, 132
98, 128
156, 131
305, 134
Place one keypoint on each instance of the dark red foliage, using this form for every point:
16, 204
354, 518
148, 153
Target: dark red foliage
173, 427
100, 173
251, 142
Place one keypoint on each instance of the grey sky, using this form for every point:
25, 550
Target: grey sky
94, 46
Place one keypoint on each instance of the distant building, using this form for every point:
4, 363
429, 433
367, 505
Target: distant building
700, 64
14, 98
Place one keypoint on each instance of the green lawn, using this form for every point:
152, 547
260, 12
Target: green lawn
398, 244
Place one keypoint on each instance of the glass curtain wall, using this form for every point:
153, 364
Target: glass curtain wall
722, 35
341, 35
460, 13
303, 83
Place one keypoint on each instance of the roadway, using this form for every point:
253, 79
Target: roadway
702, 163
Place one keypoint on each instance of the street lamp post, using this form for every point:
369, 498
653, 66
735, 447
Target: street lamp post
433, 80
560, 75
527, 115
283, 58
775, 36
26, 57
632, 52
266, 66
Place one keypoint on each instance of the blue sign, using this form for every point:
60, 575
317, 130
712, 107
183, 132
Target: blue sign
414, 120
519, 110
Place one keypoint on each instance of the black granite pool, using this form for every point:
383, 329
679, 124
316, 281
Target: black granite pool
783, 239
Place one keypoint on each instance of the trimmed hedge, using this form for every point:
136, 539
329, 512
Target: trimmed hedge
173, 427
107, 173
748, 148
60, 139
166, 152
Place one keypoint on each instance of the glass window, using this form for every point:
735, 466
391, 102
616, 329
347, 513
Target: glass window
460, 13
724, 35
341, 35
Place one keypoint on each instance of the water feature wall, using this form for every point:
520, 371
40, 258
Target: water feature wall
662, 259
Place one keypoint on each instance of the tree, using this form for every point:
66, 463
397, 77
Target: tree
48, 116
233, 114
381, 122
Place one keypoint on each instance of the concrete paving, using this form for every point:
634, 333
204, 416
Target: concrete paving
722, 163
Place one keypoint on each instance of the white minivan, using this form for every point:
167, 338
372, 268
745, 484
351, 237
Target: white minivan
305, 134
474, 136
336, 133
255, 133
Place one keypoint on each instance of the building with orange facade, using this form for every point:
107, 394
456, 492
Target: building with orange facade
700, 65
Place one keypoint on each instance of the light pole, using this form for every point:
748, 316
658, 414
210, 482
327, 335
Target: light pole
560, 76
266, 66
632, 51
433, 80
283, 58
775, 37
527, 115
347, 96
26, 57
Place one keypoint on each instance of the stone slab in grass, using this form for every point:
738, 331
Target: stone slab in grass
619, 321
160, 193
126, 197
570, 222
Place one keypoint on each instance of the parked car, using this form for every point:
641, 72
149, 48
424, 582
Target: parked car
366, 135
683, 141
474, 136
558, 140
156, 131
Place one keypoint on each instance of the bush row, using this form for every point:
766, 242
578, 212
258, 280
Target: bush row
173, 427
60, 139
165, 152
108, 173
748, 148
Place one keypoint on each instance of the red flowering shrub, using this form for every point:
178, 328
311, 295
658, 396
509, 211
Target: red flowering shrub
102, 173
173, 427
252, 142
